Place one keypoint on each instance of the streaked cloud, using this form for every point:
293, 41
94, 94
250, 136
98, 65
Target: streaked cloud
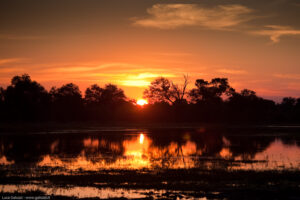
231, 71
173, 54
288, 76
10, 60
142, 79
123, 74
275, 32
88, 67
170, 16
144, 71
135, 83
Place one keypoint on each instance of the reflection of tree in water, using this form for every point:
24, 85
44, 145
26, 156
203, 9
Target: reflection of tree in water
290, 140
25, 149
247, 147
166, 149
31, 149
103, 148
106, 148
246, 143
210, 146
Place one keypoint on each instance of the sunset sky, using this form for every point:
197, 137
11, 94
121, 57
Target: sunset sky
254, 43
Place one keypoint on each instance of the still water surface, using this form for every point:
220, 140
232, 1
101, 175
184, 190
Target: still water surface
63, 153
151, 149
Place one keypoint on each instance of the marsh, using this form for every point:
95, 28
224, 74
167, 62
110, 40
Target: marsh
254, 162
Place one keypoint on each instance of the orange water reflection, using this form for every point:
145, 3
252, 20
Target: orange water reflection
132, 150
278, 155
138, 152
4, 161
81, 192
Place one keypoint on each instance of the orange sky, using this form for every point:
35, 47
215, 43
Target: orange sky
254, 43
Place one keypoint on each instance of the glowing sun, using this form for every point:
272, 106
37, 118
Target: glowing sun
141, 102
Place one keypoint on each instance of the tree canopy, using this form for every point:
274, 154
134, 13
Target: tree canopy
164, 90
210, 91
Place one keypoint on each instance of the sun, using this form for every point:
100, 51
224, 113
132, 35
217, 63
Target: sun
141, 102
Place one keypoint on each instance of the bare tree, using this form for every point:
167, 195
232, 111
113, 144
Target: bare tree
164, 90
180, 91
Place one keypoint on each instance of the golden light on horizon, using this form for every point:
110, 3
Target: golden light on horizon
141, 102
154, 39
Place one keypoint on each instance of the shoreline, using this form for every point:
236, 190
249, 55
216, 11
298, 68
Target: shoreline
34, 127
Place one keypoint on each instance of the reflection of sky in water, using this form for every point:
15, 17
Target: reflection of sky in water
102, 193
138, 154
278, 156
76, 155
81, 192
139, 151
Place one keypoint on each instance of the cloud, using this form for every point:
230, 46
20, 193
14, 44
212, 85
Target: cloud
10, 60
170, 16
275, 32
105, 68
141, 79
135, 83
231, 71
123, 74
288, 76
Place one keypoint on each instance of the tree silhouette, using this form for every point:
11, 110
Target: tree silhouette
210, 91
2, 99
102, 103
112, 94
164, 90
288, 109
67, 102
244, 95
25, 99
1, 94
246, 106
288, 102
297, 110
93, 94
66, 92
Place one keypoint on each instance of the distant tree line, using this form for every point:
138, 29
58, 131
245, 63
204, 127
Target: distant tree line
209, 101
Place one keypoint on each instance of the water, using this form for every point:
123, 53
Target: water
44, 161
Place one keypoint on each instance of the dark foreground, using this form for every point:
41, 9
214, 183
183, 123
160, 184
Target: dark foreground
186, 163
164, 184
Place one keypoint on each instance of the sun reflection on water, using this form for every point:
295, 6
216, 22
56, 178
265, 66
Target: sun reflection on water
142, 151
141, 138
136, 153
